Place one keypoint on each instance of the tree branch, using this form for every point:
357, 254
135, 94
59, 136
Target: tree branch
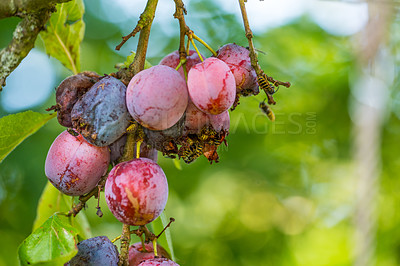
24, 37
10, 8
180, 13
140, 57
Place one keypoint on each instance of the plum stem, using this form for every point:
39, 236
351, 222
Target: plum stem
138, 148
143, 244
195, 47
155, 247
197, 38
84, 198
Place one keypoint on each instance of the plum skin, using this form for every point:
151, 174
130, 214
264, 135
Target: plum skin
195, 119
136, 191
220, 122
74, 166
101, 115
98, 250
70, 90
173, 60
212, 86
137, 254
238, 60
158, 262
157, 97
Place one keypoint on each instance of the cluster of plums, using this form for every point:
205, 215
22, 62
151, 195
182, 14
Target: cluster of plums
98, 110
101, 251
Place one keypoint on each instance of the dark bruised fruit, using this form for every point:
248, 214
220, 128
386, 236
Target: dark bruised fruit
207, 140
159, 262
117, 150
195, 119
137, 254
136, 191
238, 60
95, 251
101, 115
157, 97
69, 92
165, 140
211, 86
74, 166
172, 60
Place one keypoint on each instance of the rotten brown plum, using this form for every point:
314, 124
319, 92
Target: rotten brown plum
69, 92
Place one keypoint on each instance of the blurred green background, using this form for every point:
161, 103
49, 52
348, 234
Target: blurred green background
284, 192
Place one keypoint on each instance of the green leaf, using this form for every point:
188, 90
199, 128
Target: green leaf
165, 239
64, 33
130, 59
53, 243
52, 201
177, 163
17, 127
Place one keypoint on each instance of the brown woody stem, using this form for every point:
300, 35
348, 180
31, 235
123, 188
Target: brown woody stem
125, 241
134, 68
249, 36
179, 14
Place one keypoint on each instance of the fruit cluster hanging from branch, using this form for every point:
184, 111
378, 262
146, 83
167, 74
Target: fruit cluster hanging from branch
117, 122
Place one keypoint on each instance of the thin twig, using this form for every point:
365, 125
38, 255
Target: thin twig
146, 18
263, 79
179, 14
140, 57
170, 221
83, 199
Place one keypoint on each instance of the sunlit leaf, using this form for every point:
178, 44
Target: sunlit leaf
52, 201
64, 33
17, 127
177, 164
53, 243
131, 57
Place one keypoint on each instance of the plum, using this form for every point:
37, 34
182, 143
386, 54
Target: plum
74, 166
136, 191
101, 115
157, 97
211, 86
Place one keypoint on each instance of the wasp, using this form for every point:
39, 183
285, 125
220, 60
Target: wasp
265, 85
72, 132
266, 110
207, 133
191, 150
